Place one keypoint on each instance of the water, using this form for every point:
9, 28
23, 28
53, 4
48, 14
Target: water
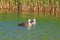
42, 31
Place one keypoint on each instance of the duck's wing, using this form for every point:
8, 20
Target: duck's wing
21, 24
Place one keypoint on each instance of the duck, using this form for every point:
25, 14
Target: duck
29, 24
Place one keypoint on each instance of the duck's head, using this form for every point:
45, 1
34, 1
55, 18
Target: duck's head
34, 21
31, 22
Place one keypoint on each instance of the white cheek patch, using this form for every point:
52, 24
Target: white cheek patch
31, 22
34, 21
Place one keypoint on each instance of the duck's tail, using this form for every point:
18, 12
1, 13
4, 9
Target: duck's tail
19, 24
